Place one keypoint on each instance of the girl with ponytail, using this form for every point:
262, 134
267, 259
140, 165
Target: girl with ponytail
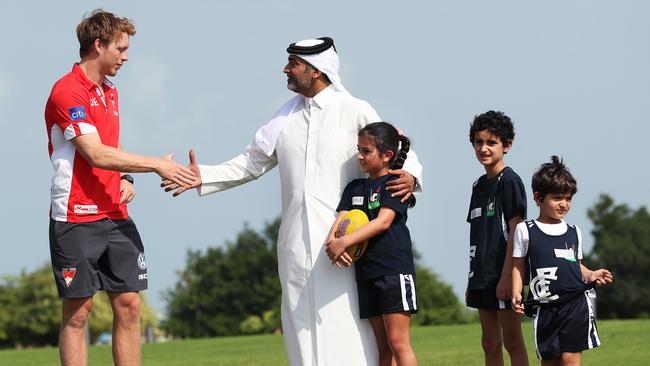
385, 273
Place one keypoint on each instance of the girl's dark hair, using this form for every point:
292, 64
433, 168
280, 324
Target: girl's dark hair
496, 123
554, 178
387, 138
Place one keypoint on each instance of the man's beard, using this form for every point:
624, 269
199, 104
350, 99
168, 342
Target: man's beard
299, 86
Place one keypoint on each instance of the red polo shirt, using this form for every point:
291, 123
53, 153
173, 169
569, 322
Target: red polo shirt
77, 106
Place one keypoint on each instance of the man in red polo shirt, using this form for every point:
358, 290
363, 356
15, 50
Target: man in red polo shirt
94, 244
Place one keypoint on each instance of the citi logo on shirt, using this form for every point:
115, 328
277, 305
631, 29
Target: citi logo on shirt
77, 113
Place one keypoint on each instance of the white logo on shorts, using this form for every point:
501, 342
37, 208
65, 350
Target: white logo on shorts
141, 262
68, 274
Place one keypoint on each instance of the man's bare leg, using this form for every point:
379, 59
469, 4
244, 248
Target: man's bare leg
72, 340
126, 328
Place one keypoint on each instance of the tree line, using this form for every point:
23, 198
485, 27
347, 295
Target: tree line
30, 311
234, 288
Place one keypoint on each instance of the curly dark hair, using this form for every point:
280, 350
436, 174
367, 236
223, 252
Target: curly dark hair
554, 178
495, 122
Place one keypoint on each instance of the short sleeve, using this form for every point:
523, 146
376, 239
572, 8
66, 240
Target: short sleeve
346, 199
513, 196
70, 112
394, 203
579, 233
471, 202
520, 240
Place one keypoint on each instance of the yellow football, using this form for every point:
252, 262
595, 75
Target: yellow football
353, 220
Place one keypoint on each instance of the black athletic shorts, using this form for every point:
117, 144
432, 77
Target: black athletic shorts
568, 327
387, 294
486, 299
100, 255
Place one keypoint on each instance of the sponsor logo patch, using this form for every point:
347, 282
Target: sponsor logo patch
85, 209
77, 113
68, 274
141, 263
373, 199
357, 200
490, 209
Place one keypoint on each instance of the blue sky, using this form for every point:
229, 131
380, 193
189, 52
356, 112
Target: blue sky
573, 75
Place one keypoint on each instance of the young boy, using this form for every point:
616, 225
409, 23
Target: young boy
560, 285
497, 205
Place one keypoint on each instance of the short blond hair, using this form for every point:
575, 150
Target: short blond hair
101, 25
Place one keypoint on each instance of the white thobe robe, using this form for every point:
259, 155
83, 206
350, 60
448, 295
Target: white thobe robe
316, 155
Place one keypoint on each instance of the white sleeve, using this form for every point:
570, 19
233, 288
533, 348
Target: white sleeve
366, 113
579, 242
249, 165
520, 240
413, 166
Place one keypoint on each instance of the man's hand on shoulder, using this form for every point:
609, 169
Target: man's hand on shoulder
402, 186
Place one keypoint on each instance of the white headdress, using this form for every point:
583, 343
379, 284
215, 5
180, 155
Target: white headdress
321, 54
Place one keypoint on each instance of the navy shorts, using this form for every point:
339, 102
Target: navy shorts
387, 294
568, 327
486, 299
100, 255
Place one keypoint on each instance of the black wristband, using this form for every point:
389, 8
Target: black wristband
127, 178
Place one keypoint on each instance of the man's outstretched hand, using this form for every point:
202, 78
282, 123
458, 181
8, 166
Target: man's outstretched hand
168, 185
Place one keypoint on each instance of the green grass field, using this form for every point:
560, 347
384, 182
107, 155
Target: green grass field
625, 342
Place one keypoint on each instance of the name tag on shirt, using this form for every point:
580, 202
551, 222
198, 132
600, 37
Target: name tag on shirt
357, 201
475, 213
567, 254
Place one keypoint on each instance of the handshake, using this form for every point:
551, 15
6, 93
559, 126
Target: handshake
178, 178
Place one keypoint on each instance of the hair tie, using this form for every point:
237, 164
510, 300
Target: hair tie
400, 132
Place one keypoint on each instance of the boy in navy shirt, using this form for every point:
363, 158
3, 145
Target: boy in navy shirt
560, 288
497, 205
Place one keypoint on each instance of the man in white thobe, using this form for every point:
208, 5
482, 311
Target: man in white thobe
313, 140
